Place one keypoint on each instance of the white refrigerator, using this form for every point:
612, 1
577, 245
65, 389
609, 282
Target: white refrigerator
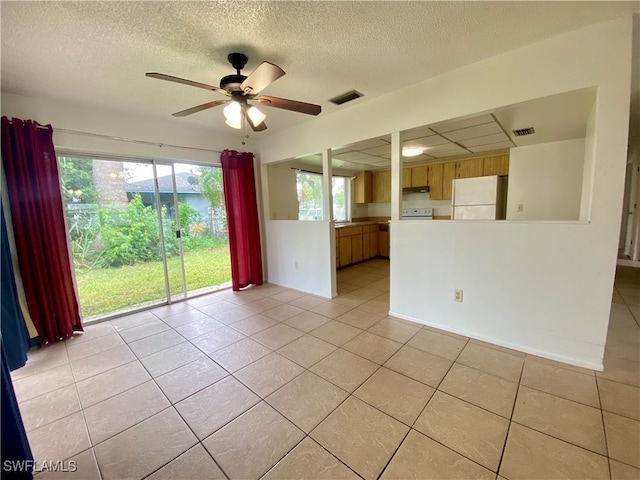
479, 198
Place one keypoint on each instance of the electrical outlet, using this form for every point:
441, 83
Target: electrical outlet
295, 264
519, 207
457, 295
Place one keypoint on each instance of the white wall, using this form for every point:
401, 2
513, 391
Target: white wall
539, 287
301, 255
283, 197
204, 144
546, 180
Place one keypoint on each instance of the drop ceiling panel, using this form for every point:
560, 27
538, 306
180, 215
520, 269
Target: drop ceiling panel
352, 156
485, 140
473, 132
451, 125
383, 150
491, 146
417, 133
425, 142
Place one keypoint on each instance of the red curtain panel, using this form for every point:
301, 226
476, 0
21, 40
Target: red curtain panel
31, 169
242, 218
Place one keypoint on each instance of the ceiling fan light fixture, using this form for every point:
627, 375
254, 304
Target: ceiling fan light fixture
411, 151
256, 116
233, 114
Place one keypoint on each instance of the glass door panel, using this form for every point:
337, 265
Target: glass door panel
113, 225
203, 227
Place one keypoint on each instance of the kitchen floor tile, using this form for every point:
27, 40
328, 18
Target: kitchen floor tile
376, 307
307, 400
394, 330
310, 460
266, 375
185, 317
253, 443
199, 327
232, 315
263, 305
619, 398
110, 383
61, 439
394, 394
240, 354
219, 338
331, 309
282, 312
86, 468
360, 436
162, 362
184, 381
136, 333
621, 471
101, 362
561, 382
49, 407
623, 438
144, 448
359, 319
277, 336
44, 382
335, 332
438, 344
621, 370
469, 430
482, 389
531, 454
133, 320
307, 350
112, 416
215, 406
344, 369
40, 359
558, 417
307, 302
307, 321
420, 458
254, 324
155, 343
419, 365
372, 347
288, 296
194, 464
492, 361
91, 347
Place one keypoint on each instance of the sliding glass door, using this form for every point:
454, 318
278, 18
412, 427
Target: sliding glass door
143, 233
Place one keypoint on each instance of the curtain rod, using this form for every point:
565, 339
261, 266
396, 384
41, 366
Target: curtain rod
130, 140
122, 139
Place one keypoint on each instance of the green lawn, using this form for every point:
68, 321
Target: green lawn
104, 290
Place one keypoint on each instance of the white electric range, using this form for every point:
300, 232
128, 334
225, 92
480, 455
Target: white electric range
417, 214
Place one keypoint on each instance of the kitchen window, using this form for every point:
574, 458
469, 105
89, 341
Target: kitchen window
309, 188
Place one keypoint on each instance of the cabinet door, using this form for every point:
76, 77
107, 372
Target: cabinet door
362, 188
469, 168
496, 165
345, 251
366, 244
434, 176
406, 177
419, 176
384, 244
448, 175
373, 245
382, 186
356, 248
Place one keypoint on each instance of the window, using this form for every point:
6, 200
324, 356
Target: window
309, 187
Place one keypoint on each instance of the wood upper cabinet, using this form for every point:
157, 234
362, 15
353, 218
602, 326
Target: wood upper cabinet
362, 187
469, 168
496, 165
382, 186
406, 177
448, 175
434, 177
419, 176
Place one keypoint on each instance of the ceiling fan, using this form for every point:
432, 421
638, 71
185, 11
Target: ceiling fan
241, 89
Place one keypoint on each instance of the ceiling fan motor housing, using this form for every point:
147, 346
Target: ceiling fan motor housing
232, 83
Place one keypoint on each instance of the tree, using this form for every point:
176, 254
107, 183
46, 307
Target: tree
211, 187
76, 180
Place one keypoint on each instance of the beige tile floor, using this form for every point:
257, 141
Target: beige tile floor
277, 384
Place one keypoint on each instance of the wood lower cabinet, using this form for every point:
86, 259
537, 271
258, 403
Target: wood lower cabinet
383, 239
355, 244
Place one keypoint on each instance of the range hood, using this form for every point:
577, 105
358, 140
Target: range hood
424, 189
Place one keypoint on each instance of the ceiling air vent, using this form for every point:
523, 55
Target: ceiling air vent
346, 97
523, 131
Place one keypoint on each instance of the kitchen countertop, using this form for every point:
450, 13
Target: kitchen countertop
359, 224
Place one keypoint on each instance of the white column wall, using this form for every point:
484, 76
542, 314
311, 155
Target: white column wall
539, 287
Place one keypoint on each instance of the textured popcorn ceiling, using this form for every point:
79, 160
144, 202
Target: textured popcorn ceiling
98, 52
